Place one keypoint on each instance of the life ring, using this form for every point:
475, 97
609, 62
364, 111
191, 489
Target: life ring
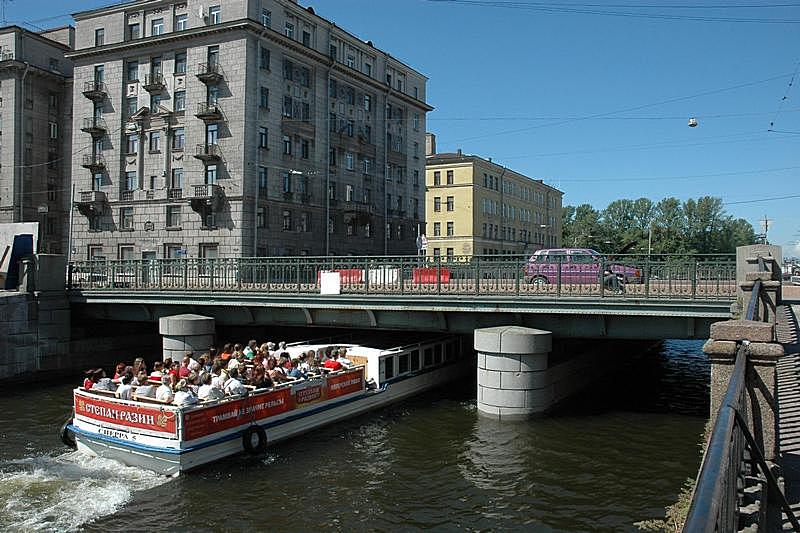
254, 440
67, 437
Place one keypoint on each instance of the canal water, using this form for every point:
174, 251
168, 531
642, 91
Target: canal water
615, 456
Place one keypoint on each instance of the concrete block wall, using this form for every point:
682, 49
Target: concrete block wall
18, 335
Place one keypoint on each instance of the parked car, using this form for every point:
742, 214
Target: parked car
576, 265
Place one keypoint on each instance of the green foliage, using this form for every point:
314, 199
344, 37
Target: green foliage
694, 226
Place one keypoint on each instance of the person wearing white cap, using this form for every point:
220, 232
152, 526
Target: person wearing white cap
183, 396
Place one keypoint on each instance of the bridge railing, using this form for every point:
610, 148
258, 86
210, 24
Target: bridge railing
733, 456
626, 276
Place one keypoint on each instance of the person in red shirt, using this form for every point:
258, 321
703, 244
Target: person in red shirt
183, 371
227, 352
87, 382
333, 364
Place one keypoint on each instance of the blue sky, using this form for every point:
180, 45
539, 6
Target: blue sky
598, 105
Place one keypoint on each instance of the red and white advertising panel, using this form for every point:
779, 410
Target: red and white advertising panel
102, 411
344, 384
308, 395
228, 415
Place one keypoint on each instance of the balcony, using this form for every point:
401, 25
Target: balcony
210, 73
206, 196
154, 83
361, 211
94, 126
95, 163
95, 91
208, 153
91, 203
174, 194
208, 112
127, 196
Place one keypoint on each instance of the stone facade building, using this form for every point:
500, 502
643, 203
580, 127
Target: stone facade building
241, 128
477, 207
35, 131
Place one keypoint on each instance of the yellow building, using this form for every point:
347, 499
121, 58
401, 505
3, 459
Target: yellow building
476, 207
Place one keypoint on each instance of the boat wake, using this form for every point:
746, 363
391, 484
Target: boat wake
63, 492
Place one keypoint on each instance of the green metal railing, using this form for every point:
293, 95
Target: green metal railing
627, 276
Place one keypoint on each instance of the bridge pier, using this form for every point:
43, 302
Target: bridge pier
186, 333
514, 381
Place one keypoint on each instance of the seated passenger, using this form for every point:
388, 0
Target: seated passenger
164, 392
157, 372
139, 366
119, 371
333, 364
183, 395
295, 372
233, 362
344, 360
145, 388
101, 382
207, 391
125, 391
227, 352
233, 386
87, 379
183, 370
260, 380
250, 349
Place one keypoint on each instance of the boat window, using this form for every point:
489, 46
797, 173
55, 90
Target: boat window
449, 351
415, 360
428, 356
388, 368
437, 354
403, 364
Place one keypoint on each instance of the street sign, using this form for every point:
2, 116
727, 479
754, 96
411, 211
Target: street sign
422, 242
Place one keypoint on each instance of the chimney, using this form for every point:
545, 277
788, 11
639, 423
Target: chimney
430, 144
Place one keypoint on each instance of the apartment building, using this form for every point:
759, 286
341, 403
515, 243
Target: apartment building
241, 128
477, 207
35, 131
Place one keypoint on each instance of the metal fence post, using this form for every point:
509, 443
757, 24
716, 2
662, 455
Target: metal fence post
439, 274
160, 275
69, 275
477, 260
558, 276
517, 270
602, 277
185, 273
646, 277
693, 273
267, 275
402, 281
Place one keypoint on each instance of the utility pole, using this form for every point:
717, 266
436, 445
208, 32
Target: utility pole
765, 222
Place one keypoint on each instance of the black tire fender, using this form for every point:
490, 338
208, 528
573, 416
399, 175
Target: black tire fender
254, 440
67, 437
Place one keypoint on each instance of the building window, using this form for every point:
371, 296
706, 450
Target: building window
288, 30
262, 137
214, 15
134, 31
415, 122
99, 37
132, 146
131, 182
261, 217
332, 191
264, 100
350, 61
437, 229
131, 105
155, 103
155, 141
173, 216
450, 203
368, 69
156, 27
264, 57
177, 179
287, 145
178, 139
97, 181
262, 179
305, 222
450, 229
349, 160
437, 178
126, 218
180, 63
181, 22
180, 100
450, 253
304, 148
287, 181
287, 220
415, 178
95, 224
132, 71
348, 193
449, 177
53, 128
211, 174
266, 18
437, 204
99, 76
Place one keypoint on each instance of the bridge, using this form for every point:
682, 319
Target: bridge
639, 297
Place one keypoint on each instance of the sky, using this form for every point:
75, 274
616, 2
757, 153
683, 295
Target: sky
594, 97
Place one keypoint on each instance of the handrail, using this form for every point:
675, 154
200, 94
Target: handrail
750, 313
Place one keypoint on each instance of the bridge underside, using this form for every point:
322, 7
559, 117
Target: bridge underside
566, 318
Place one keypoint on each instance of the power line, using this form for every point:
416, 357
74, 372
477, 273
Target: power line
785, 95
688, 176
774, 198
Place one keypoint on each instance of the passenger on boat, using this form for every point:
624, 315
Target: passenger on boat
183, 394
238, 353
164, 392
207, 391
343, 359
333, 363
295, 372
183, 370
227, 352
260, 380
157, 372
193, 365
119, 371
194, 382
250, 349
233, 386
145, 389
282, 346
101, 382
139, 366
125, 391
87, 378
303, 361
219, 376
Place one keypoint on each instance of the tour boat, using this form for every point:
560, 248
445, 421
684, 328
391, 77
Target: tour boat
169, 439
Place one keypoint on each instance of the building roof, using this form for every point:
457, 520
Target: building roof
36, 34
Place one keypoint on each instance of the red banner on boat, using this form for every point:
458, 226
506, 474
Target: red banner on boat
307, 395
133, 416
345, 383
228, 415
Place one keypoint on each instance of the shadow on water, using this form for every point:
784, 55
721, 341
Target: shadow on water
616, 455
